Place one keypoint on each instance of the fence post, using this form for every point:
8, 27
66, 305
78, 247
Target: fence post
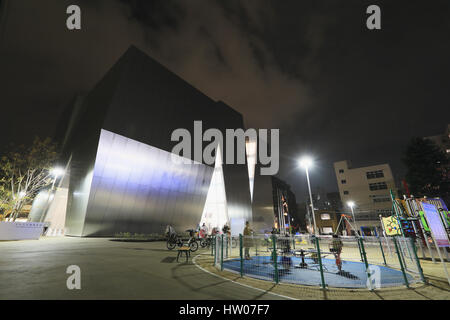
366, 263
382, 251
240, 254
274, 257
419, 267
359, 248
215, 250
212, 246
320, 264
401, 261
256, 245
221, 255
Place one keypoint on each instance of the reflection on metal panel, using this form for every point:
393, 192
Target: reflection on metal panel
40, 203
137, 188
262, 205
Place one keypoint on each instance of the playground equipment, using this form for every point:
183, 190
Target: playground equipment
345, 218
425, 220
346, 262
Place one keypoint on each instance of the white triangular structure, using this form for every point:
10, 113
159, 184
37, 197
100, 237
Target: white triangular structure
215, 213
251, 148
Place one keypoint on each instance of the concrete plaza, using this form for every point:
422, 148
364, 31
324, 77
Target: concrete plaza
109, 270
147, 270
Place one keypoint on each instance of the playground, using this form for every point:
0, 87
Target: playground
324, 262
351, 275
132, 270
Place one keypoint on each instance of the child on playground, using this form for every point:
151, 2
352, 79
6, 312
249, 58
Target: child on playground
336, 249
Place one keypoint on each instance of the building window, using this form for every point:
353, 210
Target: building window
325, 216
345, 192
381, 199
343, 181
375, 174
377, 186
327, 230
341, 170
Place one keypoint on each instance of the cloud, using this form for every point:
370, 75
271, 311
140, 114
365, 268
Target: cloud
210, 47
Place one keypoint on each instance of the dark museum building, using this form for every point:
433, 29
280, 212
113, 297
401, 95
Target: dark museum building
119, 175
119, 170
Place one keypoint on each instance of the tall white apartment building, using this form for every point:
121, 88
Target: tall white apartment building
368, 187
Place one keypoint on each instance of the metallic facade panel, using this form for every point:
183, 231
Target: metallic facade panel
262, 205
137, 188
121, 177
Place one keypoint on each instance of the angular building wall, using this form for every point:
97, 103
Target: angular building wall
137, 188
121, 179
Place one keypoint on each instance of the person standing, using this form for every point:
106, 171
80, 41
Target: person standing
336, 249
247, 240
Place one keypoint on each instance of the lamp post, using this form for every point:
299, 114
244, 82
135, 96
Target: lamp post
306, 163
351, 204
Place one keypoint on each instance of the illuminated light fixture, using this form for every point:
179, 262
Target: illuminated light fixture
56, 172
305, 162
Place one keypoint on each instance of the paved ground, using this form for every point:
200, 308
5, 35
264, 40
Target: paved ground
147, 270
109, 270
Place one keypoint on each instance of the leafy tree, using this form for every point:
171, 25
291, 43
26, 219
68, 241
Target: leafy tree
427, 168
24, 171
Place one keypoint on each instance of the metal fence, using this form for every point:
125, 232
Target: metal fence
345, 262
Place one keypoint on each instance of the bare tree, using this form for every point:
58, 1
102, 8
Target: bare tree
24, 172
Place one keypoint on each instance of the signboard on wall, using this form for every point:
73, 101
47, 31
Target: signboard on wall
436, 226
391, 226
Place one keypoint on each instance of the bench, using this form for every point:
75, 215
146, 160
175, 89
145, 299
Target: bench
186, 251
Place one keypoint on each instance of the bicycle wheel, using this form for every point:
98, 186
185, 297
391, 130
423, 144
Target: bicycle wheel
193, 246
171, 245
203, 243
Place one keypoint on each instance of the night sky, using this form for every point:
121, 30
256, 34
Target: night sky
335, 89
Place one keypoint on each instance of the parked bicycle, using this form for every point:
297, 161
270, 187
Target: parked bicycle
174, 240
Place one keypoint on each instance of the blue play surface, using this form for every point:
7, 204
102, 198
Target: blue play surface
352, 274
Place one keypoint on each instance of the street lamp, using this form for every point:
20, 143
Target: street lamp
351, 204
307, 162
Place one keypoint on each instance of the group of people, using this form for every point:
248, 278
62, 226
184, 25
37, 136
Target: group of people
226, 230
203, 230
